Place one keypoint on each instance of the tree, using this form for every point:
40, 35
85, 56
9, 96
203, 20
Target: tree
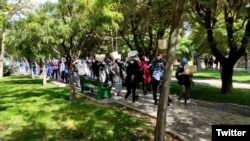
184, 48
4, 16
165, 88
74, 23
7, 13
30, 37
207, 14
144, 23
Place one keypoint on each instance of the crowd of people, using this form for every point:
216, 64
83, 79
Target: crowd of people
122, 72
22, 66
118, 73
210, 62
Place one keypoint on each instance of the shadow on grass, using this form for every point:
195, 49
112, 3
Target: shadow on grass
44, 113
81, 121
105, 123
23, 81
28, 133
48, 93
3, 108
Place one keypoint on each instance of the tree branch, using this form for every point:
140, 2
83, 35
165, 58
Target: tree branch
244, 42
229, 20
127, 41
63, 18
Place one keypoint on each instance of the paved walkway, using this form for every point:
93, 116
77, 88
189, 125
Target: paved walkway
191, 122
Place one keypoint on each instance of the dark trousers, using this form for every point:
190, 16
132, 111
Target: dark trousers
185, 92
131, 87
155, 85
63, 76
66, 76
55, 72
145, 88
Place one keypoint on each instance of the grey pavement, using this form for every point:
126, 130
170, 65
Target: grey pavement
191, 122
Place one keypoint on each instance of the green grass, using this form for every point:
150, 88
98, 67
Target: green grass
32, 112
212, 94
238, 76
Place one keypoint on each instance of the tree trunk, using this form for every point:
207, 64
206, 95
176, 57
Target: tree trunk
226, 79
44, 74
2, 54
71, 83
160, 130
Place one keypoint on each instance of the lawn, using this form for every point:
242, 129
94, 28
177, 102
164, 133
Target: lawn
207, 93
238, 76
30, 111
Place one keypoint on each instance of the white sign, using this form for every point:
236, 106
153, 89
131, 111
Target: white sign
100, 57
162, 44
132, 53
115, 55
190, 69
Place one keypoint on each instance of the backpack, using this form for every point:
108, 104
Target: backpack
179, 78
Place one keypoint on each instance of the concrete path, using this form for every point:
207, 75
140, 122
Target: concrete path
191, 122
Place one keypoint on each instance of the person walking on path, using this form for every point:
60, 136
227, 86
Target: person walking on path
55, 65
34, 68
27, 66
146, 76
184, 80
158, 68
116, 76
206, 62
62, 69
211, 62
131, 79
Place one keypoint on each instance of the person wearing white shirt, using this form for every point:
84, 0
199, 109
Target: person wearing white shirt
62, 69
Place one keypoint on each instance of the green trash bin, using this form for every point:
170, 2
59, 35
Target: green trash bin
106, 93
103, 92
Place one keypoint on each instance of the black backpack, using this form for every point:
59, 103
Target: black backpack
179, 78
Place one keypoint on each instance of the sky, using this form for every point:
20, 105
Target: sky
43, 1
34, 1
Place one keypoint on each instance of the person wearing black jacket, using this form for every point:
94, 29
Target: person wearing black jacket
131, 79
184, 80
